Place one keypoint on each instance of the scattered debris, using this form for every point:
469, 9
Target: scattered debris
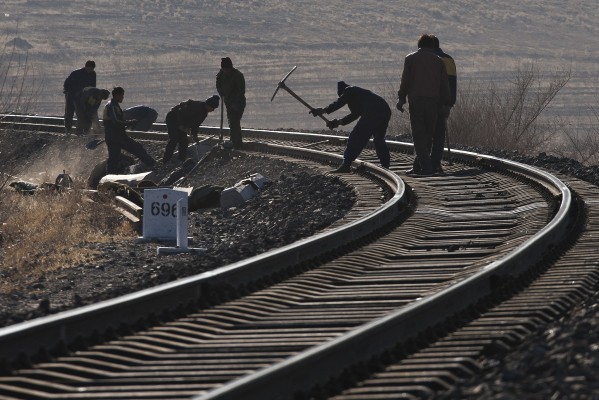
241, 191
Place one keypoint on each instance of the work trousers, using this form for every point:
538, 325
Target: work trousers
438, 141
234, 114
372, 124
120, 141
72, 107
423, 120
176, 136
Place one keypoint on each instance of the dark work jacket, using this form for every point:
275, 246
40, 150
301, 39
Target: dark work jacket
360, 102
77, 80
452, 74
230, 85
424, 75
91, 99
190, 114
114, 121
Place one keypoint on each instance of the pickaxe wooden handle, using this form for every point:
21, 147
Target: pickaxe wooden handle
283, 86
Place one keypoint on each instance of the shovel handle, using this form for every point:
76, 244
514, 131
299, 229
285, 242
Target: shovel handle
222, 111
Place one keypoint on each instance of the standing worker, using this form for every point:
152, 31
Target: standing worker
184, 118
89, 102
441, 129
424, 82
116, 137
230, 85
374, 114
72, 88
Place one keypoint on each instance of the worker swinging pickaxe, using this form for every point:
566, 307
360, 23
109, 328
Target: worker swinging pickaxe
282, 85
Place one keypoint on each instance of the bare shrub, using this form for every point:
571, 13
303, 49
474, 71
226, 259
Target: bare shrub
48, 231
581, 142
19, 90
506, 117
399, 124
19, 86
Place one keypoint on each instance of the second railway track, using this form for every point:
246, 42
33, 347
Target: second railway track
388, 315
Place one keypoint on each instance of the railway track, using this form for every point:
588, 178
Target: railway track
476, 260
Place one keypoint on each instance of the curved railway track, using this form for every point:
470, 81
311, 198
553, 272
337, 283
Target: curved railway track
401, 306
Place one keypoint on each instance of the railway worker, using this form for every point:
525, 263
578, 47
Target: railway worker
425, 84
230, 85
374, 114
115, 134
184, 118
89, 103
441, 129
72, 88
144, 115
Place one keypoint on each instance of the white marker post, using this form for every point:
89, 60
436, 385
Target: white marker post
165, 218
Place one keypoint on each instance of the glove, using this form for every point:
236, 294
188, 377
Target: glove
400, 104
316, 111
332, 124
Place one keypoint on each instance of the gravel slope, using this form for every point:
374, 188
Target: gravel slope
281, 213
560, 361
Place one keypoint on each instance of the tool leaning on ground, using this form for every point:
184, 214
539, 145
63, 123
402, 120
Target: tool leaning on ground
447, 140
282, 85
221, 142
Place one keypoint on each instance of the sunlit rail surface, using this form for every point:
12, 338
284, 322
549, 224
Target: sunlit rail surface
424, 278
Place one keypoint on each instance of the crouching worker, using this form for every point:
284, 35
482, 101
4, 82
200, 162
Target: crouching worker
374, 114
144, 115
185, 118
90, 101
115, 127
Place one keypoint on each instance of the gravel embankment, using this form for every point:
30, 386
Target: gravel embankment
561, 361
283, 212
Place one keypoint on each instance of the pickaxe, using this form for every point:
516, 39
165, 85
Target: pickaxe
282, 85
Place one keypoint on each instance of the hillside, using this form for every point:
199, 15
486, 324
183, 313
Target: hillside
165, 51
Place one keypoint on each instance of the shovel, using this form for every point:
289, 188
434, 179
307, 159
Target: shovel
94, 144
222, 111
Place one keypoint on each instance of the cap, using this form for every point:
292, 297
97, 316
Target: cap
213, 101
341, 87
226, 62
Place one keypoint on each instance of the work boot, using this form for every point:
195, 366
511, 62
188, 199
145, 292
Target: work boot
342, 169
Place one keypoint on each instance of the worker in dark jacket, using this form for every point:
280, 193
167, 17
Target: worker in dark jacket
145, 116
115, 134
89, 102
73, 86
441, 129
183, 119
424, 82
230, 85
374, 114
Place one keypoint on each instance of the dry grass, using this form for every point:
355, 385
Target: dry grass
581, 144
506, 116
47, 231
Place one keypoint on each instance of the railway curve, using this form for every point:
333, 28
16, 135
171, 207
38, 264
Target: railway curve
465, 240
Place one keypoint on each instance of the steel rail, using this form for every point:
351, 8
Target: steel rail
281, 381
66, 327
299, 372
